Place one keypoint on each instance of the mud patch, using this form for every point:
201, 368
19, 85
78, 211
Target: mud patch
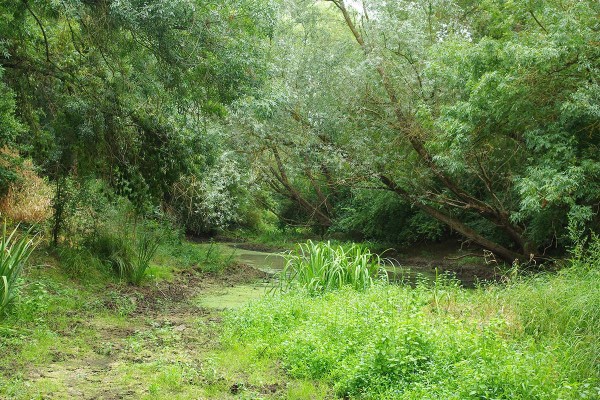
273, 388
237, 273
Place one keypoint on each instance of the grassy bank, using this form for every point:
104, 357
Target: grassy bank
534, 338
77, 330
74, 334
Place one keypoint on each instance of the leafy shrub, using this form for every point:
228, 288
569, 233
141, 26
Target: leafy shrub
384, 216
321, 266
212, 199
14, 253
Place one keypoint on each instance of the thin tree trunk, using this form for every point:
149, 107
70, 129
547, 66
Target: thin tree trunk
312, 209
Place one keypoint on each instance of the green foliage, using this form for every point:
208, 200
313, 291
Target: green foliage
534, 339
484, 115
128, 254
14, 253
135, 268
207, 257
124, 93
10, 128
320, 267
566, 306
385, 217
80, 263
215, 259
212, 197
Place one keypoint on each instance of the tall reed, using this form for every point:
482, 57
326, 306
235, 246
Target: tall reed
14, 253
322, 266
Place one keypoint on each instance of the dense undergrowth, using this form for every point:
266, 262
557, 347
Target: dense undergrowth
533, 338
335, 330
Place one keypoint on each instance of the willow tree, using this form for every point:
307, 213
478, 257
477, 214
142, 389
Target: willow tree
496, 103
288, 130
482, 116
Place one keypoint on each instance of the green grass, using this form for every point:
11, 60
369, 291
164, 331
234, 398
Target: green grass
535, 338
322, 266
128, 254
208, 257
271, 237
67, 337
531, 338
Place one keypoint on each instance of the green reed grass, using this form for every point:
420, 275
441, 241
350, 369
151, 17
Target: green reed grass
14, 253
321, 266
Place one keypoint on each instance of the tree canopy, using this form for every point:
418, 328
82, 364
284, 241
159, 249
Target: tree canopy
391, 120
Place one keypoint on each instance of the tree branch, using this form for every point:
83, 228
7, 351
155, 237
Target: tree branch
26, 3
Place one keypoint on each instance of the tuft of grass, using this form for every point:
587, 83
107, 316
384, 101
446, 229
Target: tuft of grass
128, 255
144, 251
14, 253
321, 266
80, 263
215, 259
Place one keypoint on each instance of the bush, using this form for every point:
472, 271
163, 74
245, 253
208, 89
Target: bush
14, 253
29, 198
385, 217
319, 267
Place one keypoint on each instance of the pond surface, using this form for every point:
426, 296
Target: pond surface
238, 295
271, 263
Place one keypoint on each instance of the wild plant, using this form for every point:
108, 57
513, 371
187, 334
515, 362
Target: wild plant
14, 253
216, 260
144, 251
128, 255
322, 266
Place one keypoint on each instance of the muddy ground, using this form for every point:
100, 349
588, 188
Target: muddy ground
155, 341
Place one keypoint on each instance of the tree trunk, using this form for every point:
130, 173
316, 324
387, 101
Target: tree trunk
504, 253
314, 211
